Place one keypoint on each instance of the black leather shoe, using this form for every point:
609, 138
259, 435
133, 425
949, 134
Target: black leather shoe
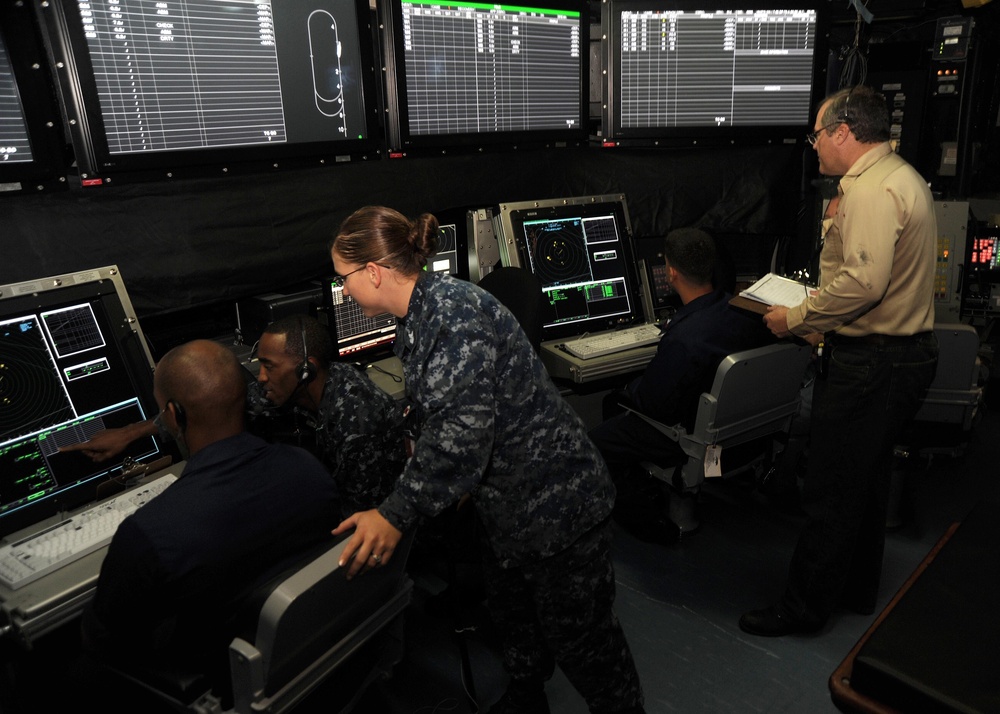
771, 623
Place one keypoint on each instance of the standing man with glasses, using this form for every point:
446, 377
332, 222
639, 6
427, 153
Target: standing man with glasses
875, 310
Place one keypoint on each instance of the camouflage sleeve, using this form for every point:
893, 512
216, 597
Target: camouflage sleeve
257, 403
453, 387
361, 436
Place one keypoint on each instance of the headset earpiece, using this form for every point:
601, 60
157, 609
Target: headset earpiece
845, 115
307, 371
179, 415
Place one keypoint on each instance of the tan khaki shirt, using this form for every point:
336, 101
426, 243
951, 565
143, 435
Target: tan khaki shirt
879, 254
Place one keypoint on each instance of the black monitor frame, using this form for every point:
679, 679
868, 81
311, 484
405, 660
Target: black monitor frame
406, 139
35, 101
307, 116
658, 295
513, 219
780, 125
364, 340
356, 338
451, 254
453, 242
53, 342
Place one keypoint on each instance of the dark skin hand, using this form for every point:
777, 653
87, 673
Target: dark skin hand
109, 443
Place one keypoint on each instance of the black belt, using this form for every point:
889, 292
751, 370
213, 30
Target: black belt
876, 339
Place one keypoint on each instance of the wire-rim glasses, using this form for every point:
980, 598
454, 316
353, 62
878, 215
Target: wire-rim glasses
339, 280
814, 136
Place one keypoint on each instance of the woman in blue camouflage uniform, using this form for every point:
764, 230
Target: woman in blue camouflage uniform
487, 421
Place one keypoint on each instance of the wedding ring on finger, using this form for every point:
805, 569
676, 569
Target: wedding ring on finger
377, 558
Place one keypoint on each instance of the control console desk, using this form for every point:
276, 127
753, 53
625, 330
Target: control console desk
562, 365
58, 597
388, 376
388, 373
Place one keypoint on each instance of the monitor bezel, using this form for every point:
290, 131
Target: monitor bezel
658, 301
47, 169
458, 267
364, 356
511, 218
104, 284
98, 166
402, 142
613, 134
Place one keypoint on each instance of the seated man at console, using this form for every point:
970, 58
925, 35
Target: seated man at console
358, 427
698, 337
177, 567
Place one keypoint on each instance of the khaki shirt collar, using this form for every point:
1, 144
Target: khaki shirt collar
864, 162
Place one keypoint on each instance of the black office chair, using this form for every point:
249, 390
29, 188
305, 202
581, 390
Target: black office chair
520, 291
299, 629
948, 412
755, 396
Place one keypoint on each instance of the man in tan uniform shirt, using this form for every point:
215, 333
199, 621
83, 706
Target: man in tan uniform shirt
874, 313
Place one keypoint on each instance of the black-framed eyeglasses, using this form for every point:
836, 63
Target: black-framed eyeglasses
339, 280
814, 137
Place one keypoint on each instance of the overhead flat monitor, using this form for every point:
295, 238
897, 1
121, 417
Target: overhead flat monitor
31, 146
681, 72
167, 89
469, 76
74, 362
581, 249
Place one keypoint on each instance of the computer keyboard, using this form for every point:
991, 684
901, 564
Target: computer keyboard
59, 545
606, 343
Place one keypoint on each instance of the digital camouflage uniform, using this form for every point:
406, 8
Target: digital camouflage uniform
489, 422
359, 436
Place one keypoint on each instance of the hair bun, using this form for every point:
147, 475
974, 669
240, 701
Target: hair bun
424, 235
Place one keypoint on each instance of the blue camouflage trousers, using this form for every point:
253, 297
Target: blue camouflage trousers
560, 610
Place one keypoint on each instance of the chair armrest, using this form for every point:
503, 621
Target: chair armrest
674, 433
246, 667
247, 662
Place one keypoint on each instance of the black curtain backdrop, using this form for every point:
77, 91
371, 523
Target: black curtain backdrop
184, 244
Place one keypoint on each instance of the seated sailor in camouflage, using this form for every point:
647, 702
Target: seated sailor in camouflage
487, 421
358, 427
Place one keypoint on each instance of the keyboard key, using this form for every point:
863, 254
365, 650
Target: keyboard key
605, 343
57, 546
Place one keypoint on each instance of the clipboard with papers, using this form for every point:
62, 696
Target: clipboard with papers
772, 289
